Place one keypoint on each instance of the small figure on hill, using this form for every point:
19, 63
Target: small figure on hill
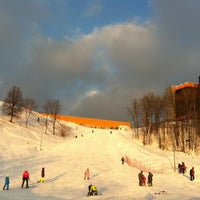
92, 190
150, 179
192, 174
7, 182
140, 176
179, 168
87, 174
42, 175
143, 180
25, 178
182, 168
123, 160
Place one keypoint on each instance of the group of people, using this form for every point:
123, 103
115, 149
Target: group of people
25, 179
92, 189
142, 179
182, 169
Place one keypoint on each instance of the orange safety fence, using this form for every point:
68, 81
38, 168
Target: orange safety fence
90, 122
144, 167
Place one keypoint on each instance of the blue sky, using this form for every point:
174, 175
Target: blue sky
69, 16
96, 56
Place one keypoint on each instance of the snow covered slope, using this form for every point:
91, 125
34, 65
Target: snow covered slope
65, 160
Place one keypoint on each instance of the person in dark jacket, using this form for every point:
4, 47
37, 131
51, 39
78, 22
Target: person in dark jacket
42, 175
192, 174
150, 179
123, 160
7, 182
25, 178
140, 178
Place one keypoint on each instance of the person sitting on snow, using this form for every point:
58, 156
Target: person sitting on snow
92, 190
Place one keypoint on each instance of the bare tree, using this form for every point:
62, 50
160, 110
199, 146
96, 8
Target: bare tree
135, 116
29, 105
147, 110
52, 108
13, 103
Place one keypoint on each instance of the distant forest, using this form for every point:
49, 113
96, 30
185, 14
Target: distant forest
171, 120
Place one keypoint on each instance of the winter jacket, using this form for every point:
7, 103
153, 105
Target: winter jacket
7, 180
150, 177
192, 172
25, 175
87, 173
43, 172
93, 188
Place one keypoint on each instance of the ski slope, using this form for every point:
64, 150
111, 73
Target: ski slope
100, 150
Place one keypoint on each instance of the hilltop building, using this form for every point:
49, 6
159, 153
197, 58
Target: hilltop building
185, 101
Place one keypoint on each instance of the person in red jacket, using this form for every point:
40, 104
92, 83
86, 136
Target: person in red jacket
25, 177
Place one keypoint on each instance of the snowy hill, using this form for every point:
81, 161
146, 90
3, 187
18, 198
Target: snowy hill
65, 160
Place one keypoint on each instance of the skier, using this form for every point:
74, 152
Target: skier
87, 174
140, 176
123, 160
7, 182
42, 175
192, 174
25, 177
150, 179
92, 190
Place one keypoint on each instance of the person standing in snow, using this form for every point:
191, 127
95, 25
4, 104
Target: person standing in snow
150, 179
42, 175
7, 182
192, 174
25, 178
87, 174
123, 160
140, 176
143, 180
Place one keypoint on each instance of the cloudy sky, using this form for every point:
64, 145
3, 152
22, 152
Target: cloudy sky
96, 56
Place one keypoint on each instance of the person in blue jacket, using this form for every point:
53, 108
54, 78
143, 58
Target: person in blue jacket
7, 182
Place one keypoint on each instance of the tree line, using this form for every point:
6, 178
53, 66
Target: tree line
172, 120
14, 104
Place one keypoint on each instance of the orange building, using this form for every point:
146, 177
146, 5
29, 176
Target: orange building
95, 123
187, 98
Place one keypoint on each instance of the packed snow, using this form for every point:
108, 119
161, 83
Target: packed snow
100, 150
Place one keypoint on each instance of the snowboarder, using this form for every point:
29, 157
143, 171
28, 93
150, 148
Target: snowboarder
87, 174
92, 190
42, 175
192, 174
7, 182
150, 179
25, 177
123, 160
140, 176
